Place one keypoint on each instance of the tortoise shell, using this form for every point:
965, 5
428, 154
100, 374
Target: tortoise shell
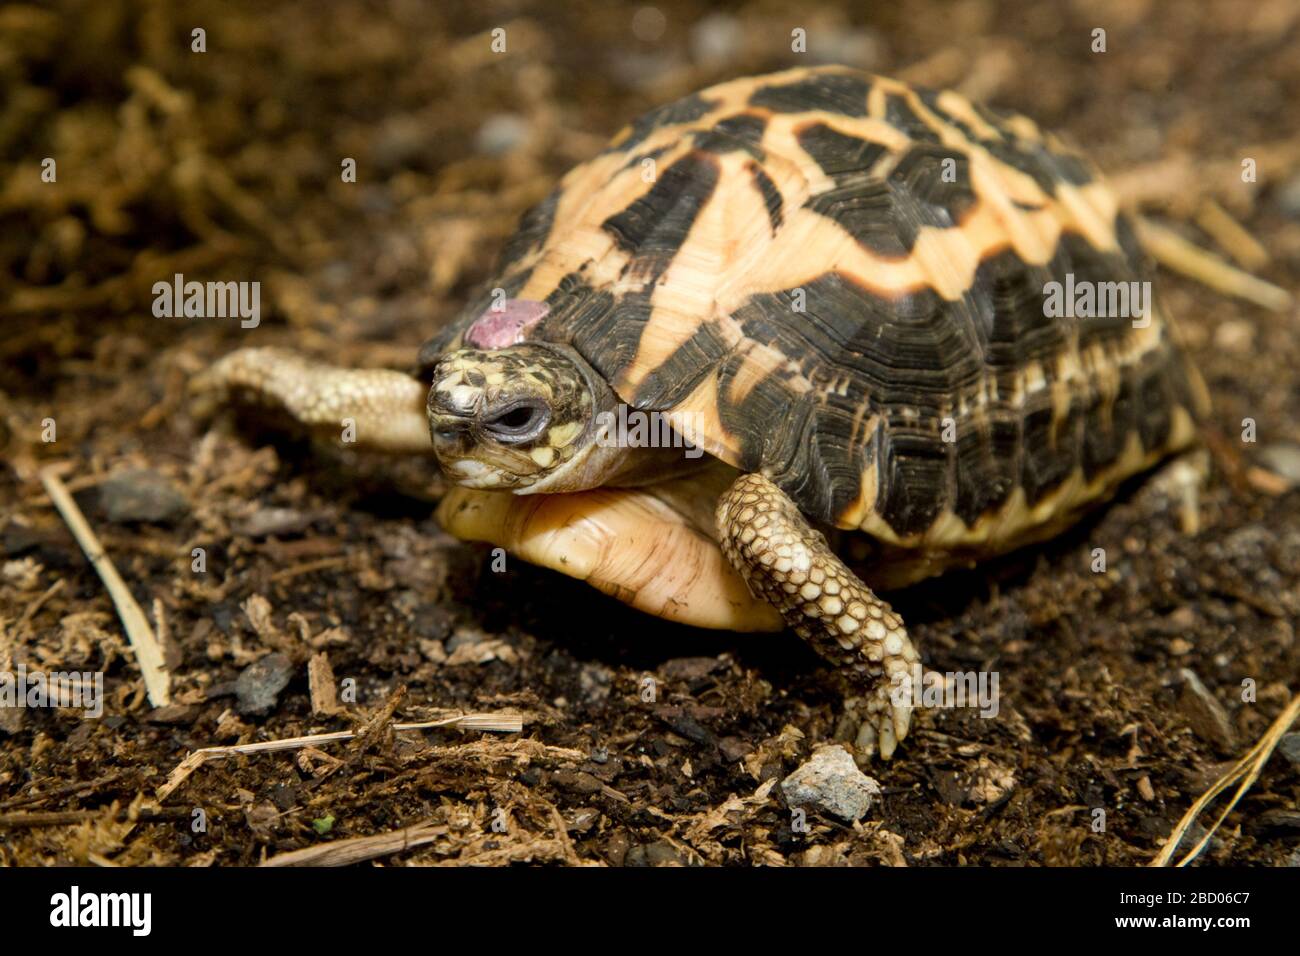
838, 280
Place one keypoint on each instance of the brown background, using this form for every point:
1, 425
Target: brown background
225, 165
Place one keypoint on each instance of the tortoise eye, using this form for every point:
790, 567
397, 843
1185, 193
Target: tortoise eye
518, 423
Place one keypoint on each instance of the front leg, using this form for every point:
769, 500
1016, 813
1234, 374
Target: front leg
786, 562
377, 409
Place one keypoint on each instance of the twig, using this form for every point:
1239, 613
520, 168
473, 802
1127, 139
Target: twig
487, 723
1247, 770
1181, 181
148, 653
1231, 236
1174, 252
39, 603
357, 849
320, 564
58, 818
375, 724
366, 736
67, 790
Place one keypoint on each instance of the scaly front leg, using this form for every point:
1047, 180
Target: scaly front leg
378, 409
788, 563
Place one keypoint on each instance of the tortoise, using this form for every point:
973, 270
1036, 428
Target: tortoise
836, 286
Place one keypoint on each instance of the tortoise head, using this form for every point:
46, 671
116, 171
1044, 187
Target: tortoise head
520, 418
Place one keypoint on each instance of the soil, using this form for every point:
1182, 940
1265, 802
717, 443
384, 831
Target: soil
225, 165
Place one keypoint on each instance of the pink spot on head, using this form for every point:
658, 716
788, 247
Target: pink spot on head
498, 328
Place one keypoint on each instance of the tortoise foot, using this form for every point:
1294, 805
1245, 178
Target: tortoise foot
788, 563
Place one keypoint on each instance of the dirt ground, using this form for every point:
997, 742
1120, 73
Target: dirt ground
225, 164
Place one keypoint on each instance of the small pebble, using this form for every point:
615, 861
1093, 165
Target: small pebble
501, 134
1204, 713
1288, 198
716, 39
259, 684
1234, 336
1289, 747
648, 24
595, 680
265, 522
141, 495
733, 748
1194, 835
399, 141
1283, 460
464, 636
653, 854
832, 782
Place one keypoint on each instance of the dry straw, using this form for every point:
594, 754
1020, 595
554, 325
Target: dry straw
148, 651
1247, 770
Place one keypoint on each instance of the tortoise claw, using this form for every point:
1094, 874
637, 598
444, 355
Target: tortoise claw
902, 720
881, 723
888, 740
891, 721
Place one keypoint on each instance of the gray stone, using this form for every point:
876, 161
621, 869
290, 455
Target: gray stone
141, 495
716, 39
832, 782
265, 522
1204, 713
1289, 747
661, 853
259, 684
1288, 198
596, 680
1283, 459
501, 134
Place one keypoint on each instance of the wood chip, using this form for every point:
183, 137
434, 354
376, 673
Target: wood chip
321, 686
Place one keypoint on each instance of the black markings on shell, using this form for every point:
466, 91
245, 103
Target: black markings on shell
840, 156
772, 200
743, 132
864, 378
900, 115
671, 114
655, 225
939, 177
832, 92
883, 220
